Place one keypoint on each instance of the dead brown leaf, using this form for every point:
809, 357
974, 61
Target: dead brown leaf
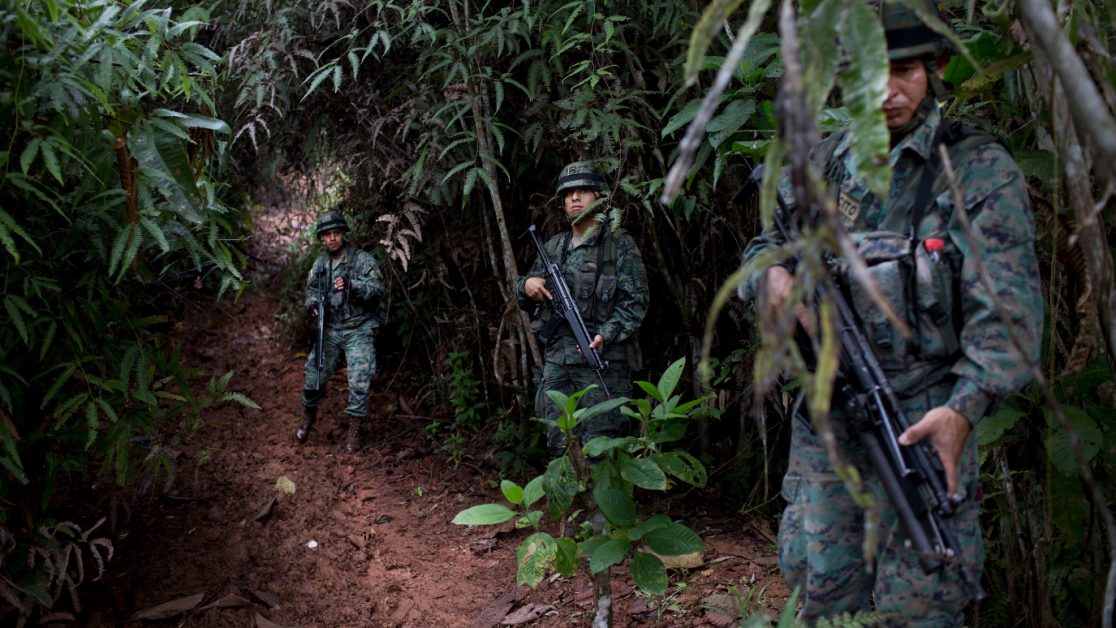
170, 609
525, 614
498, 610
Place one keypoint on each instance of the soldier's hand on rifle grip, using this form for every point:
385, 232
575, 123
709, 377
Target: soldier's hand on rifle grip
535, 289
948, 431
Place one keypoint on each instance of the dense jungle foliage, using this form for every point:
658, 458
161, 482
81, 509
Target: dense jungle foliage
143, 135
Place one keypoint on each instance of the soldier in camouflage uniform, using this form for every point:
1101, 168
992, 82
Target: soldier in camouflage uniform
959, 362
351, 281
605, 274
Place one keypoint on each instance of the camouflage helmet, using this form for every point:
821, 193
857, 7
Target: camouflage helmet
330, 220
579, 174
907, 34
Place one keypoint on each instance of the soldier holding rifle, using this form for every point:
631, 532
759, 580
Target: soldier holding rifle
606, 278
347, 282
958, 362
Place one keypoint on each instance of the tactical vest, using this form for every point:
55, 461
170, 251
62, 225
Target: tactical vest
912, 262
593, 285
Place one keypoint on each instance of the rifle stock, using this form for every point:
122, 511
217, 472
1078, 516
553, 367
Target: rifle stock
912, 477
565, 310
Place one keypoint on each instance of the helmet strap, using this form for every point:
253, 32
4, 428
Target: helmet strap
937, 86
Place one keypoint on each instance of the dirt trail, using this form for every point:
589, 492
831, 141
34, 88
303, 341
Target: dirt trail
365, 539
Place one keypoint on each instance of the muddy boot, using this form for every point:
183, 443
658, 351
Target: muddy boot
352, 440
303, 431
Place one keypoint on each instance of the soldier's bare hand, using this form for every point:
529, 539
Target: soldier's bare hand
535, 289
947, 430
598, 343
778, 283
339, 283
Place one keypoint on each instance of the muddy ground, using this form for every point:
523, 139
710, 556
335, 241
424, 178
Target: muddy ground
266, 532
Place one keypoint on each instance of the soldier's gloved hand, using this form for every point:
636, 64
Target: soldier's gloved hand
947, 430
535, 289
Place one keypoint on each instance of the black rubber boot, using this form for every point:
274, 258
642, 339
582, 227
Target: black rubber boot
309, 416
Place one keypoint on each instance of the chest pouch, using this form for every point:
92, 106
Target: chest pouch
887, 255
936, 260
585, 289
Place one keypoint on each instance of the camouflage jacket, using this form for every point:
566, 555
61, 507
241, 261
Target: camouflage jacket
615, 305
360, 301
983, 362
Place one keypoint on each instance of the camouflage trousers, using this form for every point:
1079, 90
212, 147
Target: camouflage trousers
570, 379
356, 345
822, 537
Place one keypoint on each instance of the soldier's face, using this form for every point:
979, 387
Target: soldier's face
577, 201
333, 239
907, 86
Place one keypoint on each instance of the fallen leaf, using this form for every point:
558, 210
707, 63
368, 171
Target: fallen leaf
527, 613
498, 610
263, 622
170, 609
231, 600
638, 607
722, 609
684, 561
266, 598
265, 513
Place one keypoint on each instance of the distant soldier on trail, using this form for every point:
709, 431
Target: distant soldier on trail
958, 363
605, 275
348, 281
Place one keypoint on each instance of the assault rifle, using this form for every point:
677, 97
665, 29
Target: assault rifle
565, 310
319, 329
912, 477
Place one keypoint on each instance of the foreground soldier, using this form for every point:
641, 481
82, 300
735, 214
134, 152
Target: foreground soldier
605, 275
958, 363
350, 281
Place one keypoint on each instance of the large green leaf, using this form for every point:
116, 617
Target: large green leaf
533, 491
609, 553
670, 378
512, 491
682, 465
654, 522
617, 506
991, 428
568, 557
162, 156
560, 484
1059, 445
674, 540
643, 473
601, 444
193, 121
649, 574
484, 514
534, 557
